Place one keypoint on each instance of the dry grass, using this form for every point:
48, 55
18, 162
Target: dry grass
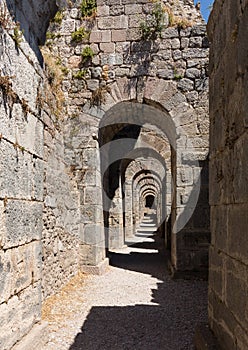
65, 304
55, 77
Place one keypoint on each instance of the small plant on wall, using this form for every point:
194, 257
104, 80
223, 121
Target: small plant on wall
87, 54
161, 17
153, 26
80, 35
88, 8
17, 35
58, 17
99, 96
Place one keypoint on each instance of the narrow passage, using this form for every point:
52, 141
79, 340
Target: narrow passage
136, 305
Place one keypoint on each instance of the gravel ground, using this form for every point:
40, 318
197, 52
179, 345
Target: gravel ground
135, 305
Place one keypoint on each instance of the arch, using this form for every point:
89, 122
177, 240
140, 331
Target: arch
134, 113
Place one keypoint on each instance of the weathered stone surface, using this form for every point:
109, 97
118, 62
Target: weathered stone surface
23, 221
49, 158
228, 176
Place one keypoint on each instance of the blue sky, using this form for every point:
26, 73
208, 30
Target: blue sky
205, 7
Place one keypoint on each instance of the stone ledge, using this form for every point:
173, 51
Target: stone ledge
99, 269
35, 339
204, 338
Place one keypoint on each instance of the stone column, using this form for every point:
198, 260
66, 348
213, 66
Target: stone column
116, 231
92, 246
128, 210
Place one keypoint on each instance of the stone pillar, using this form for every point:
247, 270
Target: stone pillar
116, 230
92, 238
190, 209
128, 210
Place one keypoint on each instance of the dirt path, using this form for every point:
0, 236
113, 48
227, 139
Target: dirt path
135, 305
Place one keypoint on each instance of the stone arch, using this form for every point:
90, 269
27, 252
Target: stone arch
137, 172
165, 117
149, 183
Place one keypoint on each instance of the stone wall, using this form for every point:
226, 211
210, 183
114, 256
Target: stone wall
21, 191
61, 215
168, 73
51, 205
38, 252
228, 284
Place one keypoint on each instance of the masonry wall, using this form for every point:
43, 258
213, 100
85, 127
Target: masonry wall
169, 72
38, 219
61, 215
228, 284
21, 191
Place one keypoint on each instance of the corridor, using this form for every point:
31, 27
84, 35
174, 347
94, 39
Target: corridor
135, 305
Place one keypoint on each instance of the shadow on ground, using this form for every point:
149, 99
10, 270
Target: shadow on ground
167, 323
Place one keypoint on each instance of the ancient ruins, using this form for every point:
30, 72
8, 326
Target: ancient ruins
110, 111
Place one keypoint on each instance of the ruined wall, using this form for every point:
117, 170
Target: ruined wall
32, 168
228, 284
61, 216
21, 191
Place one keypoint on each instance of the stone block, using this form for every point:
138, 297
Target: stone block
38, 176
219, 227
91, 214
175, 43
185, 176
133, 34
107, 47
92, 84
184, 43
169, 33
194, 53
113, 59
133, 8
20, 268
106, 36
195, 42
193, 73
199, 29
238, 173
236, 292
91, 158
8, 125
186, 84
16, 172
96, 37
23, 222
237, 239
134, 20
177, 55
100, 269
119, 35
217, 272
92, 233
117, 10
102, 10
18, 315
68, 26
91, 255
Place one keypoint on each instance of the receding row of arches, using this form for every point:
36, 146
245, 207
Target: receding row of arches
140, 166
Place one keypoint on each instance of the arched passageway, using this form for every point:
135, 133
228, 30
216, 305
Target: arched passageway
135, 142
127, 165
